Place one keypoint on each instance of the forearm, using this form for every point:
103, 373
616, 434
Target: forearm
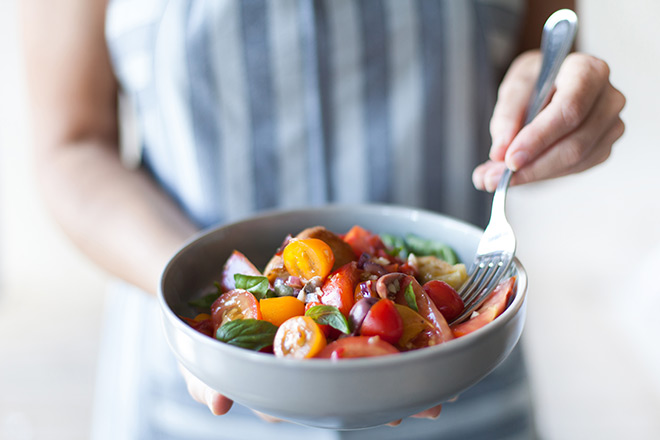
116, 216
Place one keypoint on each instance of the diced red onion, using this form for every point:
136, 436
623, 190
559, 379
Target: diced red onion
359, 312
294, 282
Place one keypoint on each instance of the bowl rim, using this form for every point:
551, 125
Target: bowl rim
270, 360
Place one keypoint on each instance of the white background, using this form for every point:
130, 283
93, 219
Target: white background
591, 244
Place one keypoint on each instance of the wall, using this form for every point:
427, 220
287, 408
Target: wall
50, 300
591, 244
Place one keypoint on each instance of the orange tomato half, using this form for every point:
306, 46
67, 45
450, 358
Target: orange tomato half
308, 258
299, 337
278, 310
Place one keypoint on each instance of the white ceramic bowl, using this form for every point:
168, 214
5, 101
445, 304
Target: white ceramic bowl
352, 393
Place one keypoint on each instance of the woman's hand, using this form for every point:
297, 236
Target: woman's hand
574, 132
431, 413
216, 402
219, 404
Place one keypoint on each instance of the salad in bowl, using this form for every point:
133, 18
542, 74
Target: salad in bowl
354, 337
340, 296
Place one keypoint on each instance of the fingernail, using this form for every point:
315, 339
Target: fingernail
209, 397
517, 160
477, 181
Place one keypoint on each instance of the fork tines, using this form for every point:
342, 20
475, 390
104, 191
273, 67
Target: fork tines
488, 271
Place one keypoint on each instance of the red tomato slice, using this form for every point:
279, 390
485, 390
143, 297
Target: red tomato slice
445, 299
383, 320
339, 287
356, 347
474, 323
232, 305
236, 263
489, 310
441, 333
363, 241
500, 296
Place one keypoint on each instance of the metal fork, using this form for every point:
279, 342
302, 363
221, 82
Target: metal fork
498, 244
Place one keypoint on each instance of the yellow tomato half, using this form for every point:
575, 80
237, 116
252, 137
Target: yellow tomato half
299, 338
308, 258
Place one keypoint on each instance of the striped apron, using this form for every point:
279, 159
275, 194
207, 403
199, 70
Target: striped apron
242, 106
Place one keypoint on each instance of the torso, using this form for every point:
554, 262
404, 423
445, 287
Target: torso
251, 105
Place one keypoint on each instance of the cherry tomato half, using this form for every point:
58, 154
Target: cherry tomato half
413, 325
383, 320
356, 347
338, 290
298, 337
232, 305
445, 298
308, 258
427, 309
236, 263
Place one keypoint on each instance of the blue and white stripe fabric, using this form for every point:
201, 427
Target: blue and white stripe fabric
255, 104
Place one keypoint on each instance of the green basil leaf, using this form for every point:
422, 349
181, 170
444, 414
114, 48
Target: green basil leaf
396, 246
206, 301
283, 290
253, 334
271, 294
256, 285
411, 300
449, 255
329, 315
421, 246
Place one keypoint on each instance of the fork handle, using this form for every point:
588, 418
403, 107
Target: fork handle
556, 42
